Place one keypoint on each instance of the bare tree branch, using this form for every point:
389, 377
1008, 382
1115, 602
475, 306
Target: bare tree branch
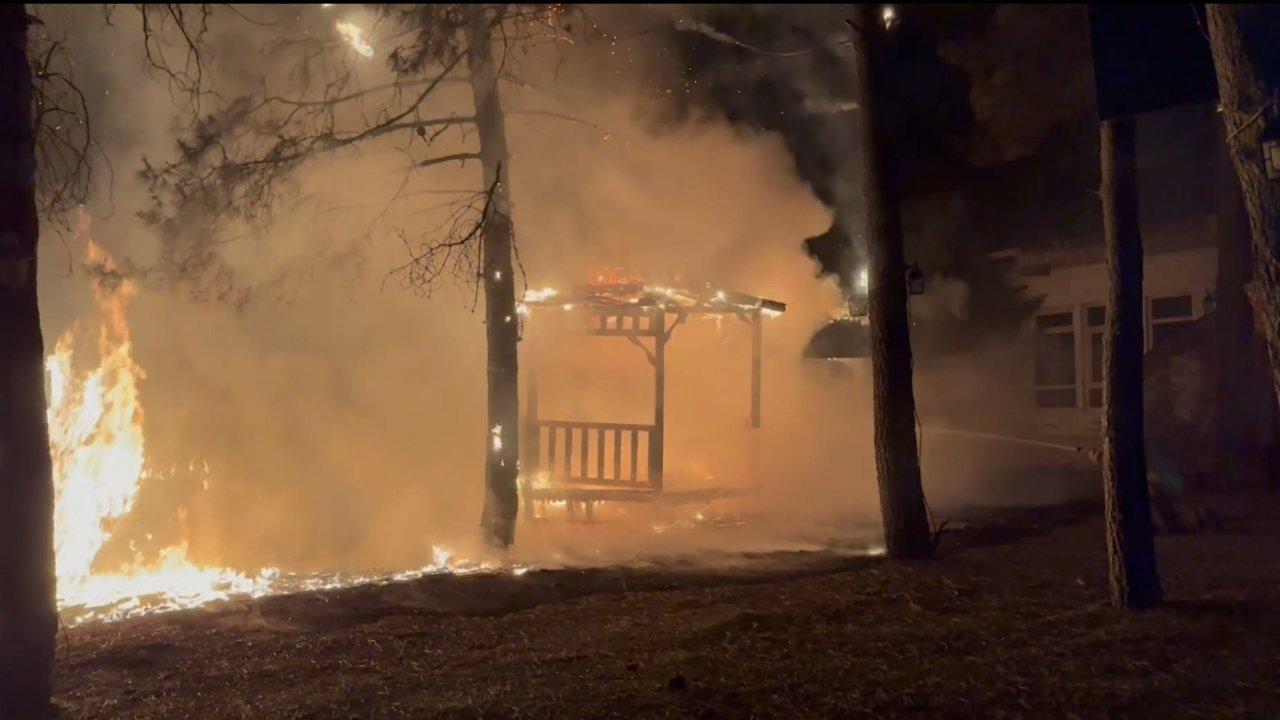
166, 27
242, 156
458, 252
65, 146
459, 157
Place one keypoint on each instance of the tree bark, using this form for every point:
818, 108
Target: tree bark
28, 613
501, 503
1239, 36
1130, 549
902, 505
1237, 459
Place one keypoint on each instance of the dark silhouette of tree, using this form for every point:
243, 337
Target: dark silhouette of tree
28, 615
1246, 56
809, 82
1130, 549
906, 520
497, 242
48, 156
1237, 457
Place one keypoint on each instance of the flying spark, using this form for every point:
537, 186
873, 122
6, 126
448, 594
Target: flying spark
355, 37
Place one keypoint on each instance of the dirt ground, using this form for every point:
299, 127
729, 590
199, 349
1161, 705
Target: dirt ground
1008, 621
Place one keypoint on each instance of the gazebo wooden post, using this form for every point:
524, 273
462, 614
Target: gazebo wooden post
532, 438
757, 345
658, 322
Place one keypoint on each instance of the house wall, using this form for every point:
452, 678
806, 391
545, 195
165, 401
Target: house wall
1184, 271
1073, 288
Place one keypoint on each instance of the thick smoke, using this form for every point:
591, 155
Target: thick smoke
342, 415
786, 71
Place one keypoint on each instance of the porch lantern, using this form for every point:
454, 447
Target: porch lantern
915, 280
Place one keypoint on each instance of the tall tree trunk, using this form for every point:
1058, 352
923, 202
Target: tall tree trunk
498, 520
28, 615
1131, 551
1237, 460
906, 521
1240, 36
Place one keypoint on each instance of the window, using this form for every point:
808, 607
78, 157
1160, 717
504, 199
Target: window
1055, 360
1095, 326
1168, 316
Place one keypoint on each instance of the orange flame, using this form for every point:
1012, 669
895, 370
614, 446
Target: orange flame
613, 276
99, 466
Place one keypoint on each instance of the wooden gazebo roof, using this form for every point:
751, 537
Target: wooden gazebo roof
636, 297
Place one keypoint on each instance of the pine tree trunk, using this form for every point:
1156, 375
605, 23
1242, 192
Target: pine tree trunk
902, 505
1238, 37
1131, 551
501, 503
1236, 459
28, 615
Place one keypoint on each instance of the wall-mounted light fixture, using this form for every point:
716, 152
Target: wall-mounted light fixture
915, 280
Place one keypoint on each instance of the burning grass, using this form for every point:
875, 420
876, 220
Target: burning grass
98, 446
99, 466
1008, 623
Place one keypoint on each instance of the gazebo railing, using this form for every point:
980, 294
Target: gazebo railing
587, 462
590, 453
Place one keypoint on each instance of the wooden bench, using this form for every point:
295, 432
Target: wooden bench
582, 463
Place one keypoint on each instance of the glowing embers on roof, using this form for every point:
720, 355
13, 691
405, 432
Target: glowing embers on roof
615, 290
614, 276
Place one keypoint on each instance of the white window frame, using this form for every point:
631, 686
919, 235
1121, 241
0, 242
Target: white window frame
1089, 382
1150, 322
1074, 329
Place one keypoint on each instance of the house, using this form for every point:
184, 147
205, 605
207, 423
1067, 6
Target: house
1064, 337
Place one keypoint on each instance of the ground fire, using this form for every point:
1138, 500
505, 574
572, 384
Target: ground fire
98, 445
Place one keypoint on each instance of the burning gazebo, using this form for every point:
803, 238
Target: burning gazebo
581, 463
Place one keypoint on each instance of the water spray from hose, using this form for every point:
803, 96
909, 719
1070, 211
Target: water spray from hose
1013, 439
